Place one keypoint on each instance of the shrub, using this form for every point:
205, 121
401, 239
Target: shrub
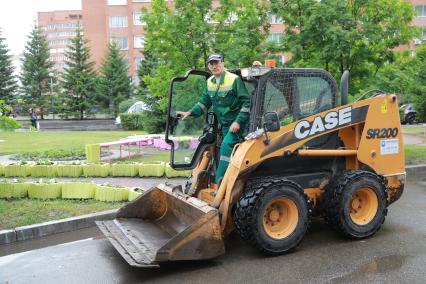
153, 122
132, 121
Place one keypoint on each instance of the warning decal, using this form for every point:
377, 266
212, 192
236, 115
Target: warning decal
390, 146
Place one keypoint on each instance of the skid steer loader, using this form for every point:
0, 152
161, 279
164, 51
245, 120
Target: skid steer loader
307, 152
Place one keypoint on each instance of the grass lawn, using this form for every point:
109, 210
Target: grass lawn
415, 155
415, 130
21, 142
20, 212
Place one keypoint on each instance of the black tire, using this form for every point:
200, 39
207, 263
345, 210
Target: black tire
411, 119
250, 215
355, 204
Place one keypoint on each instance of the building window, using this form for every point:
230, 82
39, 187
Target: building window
117, 2
139, 41
274, 19
122, 42
275, 38
421, 10
59, 34
138, 62
137, 21
118, 21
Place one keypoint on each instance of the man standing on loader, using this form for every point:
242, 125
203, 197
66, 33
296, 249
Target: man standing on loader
229, 97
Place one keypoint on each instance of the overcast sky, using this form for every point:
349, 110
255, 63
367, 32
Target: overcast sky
17, 16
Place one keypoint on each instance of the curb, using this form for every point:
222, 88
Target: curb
414, 173
54, 227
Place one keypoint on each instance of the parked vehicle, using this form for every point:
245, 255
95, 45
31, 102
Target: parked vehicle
408, 114
137, 107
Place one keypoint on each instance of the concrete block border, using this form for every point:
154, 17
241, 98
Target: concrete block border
54, 227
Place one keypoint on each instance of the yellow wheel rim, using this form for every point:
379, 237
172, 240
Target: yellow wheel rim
363, 206
280, 218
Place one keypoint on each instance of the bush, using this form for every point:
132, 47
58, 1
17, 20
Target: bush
154, 122
132, 121
7, 123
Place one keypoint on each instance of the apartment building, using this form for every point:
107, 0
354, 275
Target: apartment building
119, 20
59, 27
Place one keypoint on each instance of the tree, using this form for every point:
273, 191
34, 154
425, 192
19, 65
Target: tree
7, 79
241, 31
35, 68
182, 39
419, 85
337, 35
114, 82
395, 77
79, 77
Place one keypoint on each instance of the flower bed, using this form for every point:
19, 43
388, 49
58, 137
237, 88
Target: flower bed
111, 193
134, 193
96, 170
22, 169
69, 170
125, 170
170, 172
78, 190
151, 169
44, 168
44, 190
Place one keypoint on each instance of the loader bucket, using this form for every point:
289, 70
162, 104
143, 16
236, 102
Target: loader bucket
164, 225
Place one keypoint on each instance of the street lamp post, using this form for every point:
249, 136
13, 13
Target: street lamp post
51, 95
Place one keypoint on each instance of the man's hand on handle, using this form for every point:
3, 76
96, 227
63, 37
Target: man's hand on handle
183, 114
235, 126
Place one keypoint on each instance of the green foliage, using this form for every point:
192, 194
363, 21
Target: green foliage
419, 83
7, 123
53, 154
79, 77
358, 36
132, 121
35, 68
114, 85
7, 79
182, 39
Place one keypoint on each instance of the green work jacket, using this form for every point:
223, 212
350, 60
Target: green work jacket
229, 98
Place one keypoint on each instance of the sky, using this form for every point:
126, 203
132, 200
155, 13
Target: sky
17, 17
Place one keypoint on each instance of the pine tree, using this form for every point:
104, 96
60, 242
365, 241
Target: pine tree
79, 77
35, 68
114, 83
7, 80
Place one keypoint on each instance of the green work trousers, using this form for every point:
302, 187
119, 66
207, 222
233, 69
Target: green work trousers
228, 143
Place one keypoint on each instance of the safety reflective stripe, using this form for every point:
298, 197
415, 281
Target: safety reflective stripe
225, 158
245, 109
228, 81
203, 107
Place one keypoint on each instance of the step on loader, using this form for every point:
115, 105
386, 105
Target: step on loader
307, 152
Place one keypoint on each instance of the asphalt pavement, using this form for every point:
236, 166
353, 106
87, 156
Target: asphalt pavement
396, 254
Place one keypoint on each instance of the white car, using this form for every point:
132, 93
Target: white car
137, 107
